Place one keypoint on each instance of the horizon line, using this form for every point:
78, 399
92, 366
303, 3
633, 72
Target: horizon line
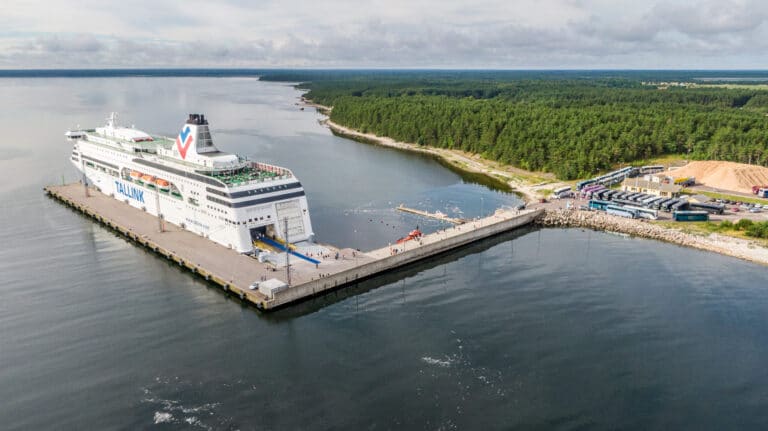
379, 68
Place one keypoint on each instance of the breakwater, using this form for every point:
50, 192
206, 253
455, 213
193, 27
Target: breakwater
597, 220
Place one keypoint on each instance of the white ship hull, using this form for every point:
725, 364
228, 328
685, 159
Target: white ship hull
232, 215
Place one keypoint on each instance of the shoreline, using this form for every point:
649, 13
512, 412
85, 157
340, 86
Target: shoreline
325, 110
556, 217
472, 164
449, 157
721, 244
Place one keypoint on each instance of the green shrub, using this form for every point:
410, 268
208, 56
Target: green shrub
758, 230
743, 224
726, 225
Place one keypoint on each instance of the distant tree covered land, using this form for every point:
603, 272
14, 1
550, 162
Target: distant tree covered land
573, 124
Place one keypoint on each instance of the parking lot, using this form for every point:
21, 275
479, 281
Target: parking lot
734, 210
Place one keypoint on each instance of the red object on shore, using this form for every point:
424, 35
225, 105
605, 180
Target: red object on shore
414, 234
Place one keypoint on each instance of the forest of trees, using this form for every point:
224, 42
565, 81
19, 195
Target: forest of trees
570, 125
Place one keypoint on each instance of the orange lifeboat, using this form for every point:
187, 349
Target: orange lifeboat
163, 184
147, 178
135, 175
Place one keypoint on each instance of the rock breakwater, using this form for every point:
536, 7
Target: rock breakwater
730, 246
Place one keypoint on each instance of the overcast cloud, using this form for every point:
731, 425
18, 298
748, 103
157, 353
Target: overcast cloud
394, 33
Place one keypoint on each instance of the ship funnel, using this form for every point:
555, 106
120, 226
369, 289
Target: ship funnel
194, 138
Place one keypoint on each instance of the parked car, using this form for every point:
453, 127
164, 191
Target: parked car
755, 210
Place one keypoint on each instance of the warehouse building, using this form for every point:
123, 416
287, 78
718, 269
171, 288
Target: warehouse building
655, 188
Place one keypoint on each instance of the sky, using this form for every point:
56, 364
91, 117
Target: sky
503, 34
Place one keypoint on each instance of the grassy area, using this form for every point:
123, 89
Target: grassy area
694, 228
535, 179
704, 228
518, 174
714, 195
666, 160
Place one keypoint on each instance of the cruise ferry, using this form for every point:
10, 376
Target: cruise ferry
187, 181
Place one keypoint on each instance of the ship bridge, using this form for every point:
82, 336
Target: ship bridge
112, 130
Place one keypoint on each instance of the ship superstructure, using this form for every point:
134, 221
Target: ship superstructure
187, 181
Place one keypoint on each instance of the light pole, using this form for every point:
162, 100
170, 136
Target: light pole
85, 178
287, 253
160, 225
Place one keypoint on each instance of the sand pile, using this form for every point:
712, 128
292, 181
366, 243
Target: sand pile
737, 177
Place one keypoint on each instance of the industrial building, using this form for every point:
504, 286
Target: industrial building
648, 186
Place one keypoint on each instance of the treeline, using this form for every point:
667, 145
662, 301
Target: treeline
570, 141
554, 92
571, 125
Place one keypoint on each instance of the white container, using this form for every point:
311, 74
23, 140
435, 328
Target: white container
272, 286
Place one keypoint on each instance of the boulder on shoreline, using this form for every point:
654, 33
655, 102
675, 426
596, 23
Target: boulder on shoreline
598, 220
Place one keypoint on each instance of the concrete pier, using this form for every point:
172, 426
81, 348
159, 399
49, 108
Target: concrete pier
235, 272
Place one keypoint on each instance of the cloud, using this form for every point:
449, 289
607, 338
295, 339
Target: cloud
711, 17
65, 44
393, 33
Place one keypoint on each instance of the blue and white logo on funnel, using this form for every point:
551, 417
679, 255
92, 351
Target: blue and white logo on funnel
184, 141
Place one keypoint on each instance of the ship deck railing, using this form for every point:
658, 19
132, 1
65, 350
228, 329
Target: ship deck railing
156, 140
248, 175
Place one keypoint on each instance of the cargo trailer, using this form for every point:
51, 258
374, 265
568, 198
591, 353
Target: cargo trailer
620, 211
711, 208
644, 212
690, 216
598, 205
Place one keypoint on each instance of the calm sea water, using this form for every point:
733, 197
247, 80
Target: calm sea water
549, 329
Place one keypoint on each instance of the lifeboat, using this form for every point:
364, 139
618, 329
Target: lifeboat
147, 178
163, 184
135, 175
414, 234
